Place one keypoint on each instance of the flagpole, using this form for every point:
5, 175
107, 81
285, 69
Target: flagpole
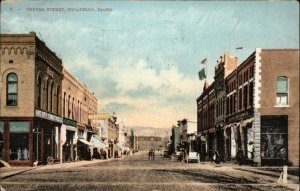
206, 70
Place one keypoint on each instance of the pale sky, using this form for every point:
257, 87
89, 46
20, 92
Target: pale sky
142, 58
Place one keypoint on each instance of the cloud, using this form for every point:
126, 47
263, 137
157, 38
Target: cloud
142, 60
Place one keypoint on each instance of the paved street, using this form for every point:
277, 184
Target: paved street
138, 173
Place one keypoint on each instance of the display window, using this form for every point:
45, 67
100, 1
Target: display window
19, 140
274, 140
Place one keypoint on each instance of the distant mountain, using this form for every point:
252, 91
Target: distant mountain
149, 131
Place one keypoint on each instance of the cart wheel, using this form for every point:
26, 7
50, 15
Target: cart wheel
50, 160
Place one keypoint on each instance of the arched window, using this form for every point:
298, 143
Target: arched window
39, 87
282, 90
12, 90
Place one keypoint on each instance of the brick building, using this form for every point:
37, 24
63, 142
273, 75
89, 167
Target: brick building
145, 143
276, 101
206, 120
77, 104
239, 109
262, 109
30, 114
225, 66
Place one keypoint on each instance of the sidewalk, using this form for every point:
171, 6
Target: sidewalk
6, 172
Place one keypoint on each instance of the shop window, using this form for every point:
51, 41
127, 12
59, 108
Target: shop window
19, 140
1, 140
282, 90
12, 90
274, 140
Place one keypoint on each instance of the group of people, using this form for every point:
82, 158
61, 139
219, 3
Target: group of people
215, 157
151, 154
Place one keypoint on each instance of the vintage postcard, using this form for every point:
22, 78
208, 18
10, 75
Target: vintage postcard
149, 95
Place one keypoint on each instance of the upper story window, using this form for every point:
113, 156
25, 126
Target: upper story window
282, 91
12, 90
39, 97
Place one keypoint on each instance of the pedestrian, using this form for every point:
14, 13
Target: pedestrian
149, 154
153, 154
240, 157
211, 156
217, 157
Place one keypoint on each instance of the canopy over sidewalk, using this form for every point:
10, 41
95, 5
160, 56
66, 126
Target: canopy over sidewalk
97, 143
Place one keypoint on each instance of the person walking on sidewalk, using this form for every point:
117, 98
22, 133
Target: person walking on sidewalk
149, 154
240, 157
153, 154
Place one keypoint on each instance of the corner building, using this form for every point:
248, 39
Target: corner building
30, 102
261, 109
262, 115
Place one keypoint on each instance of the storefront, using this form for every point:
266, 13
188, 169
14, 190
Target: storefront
46, 136
99, 147
208, 144
274, 139
84, 147
69, 132
220, 141
24, 140
16, 140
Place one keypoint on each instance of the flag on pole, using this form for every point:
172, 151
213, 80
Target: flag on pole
202, 74
203, 61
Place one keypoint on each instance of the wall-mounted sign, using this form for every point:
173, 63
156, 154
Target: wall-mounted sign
49, 116
69, 122
101, 116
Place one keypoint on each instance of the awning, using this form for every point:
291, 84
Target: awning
127, 148
97, 143
246, 121
85, 142
70, 128
117, 147
228, 126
